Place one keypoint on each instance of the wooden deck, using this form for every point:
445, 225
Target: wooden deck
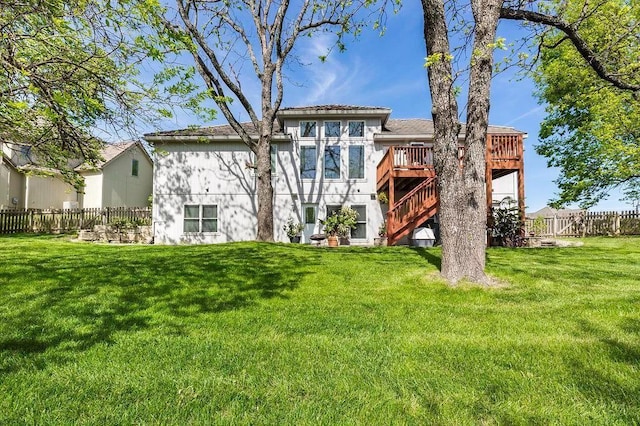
407, 175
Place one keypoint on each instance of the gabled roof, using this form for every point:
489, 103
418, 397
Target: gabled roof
112, 151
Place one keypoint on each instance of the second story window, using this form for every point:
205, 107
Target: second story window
356, 162
356, 129
331, 129
307, 129
308, 162
332, 162
134, 167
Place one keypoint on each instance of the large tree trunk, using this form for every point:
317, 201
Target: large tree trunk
265, 187
461, 186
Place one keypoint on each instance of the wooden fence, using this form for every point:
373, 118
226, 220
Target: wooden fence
584, 224
66, 220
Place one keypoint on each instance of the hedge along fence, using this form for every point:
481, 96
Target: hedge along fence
66, 220
586, 224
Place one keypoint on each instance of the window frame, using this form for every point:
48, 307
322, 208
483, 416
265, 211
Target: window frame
200, 218
363, 128
327, 148
324, 127
360, 221
363, 165
135, 167
315, 159
315, 130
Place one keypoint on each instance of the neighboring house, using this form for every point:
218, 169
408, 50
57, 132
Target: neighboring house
323, 157
123, 179
11, 181
547, 211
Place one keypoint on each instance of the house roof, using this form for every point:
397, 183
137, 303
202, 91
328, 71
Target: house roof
110, 152
550, 212
424, 127
392, 128
334, 107
220, 130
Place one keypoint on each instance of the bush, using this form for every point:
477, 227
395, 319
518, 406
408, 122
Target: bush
507, 226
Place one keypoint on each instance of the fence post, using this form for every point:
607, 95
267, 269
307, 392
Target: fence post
555, 226
616, 224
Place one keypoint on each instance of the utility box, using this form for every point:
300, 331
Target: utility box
422, 237
66, 205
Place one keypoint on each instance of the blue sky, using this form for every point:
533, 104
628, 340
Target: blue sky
388, 71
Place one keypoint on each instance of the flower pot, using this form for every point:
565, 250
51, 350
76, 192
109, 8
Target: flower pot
332, 241
295, 240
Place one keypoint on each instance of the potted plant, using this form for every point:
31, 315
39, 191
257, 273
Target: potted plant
293, 230
339, 225
382, 235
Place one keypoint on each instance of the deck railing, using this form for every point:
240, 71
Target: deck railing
505, 147
417, 201
501, 148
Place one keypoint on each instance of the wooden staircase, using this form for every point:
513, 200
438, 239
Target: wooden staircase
413, 209
410, 168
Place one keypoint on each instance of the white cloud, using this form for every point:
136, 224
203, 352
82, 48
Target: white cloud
532, 111
341, 78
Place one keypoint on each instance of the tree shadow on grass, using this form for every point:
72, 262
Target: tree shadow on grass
67, 301
430, 256
595, 380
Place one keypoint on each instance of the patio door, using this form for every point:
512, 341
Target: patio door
310, 218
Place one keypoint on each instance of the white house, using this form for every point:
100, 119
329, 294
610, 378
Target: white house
123, 179
323, 157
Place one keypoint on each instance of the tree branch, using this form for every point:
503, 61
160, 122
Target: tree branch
572, 34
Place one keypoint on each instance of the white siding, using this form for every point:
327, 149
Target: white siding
505, 186
204, 174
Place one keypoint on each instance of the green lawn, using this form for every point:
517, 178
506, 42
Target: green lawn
287, 334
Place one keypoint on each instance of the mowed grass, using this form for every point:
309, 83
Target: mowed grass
251, 333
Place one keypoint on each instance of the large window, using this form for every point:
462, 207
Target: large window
331, 129
332, 162
361, 227
200, 218
134, 167
356, 129
307, 129
356, 162
308, 161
